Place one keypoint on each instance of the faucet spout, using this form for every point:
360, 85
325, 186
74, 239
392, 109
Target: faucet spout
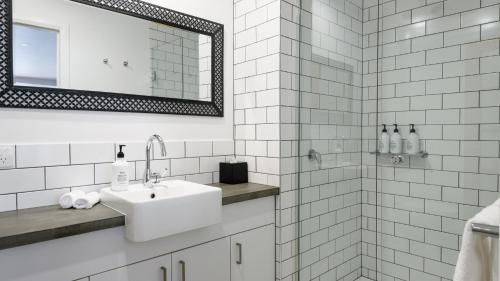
161, 142
149, 145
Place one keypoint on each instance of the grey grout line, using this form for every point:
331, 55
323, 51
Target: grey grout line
15, 157
45, 178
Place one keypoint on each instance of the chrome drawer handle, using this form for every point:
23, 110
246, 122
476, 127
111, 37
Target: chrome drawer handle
183, 270
240, 253
164, 271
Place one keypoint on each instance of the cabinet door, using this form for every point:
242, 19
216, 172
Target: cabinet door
252, 255
157, 269
206, 262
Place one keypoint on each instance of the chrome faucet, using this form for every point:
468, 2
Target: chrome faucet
146, 179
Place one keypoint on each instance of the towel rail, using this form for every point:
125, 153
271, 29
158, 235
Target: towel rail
490, 230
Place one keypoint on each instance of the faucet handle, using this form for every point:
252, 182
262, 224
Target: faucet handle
165, 173
156, 177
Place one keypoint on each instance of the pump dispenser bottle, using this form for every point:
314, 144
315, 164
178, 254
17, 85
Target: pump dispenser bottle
396, 141
413, 142
384, 144
120, 178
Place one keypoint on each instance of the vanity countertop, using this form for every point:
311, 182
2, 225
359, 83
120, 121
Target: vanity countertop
245, 191
28, 226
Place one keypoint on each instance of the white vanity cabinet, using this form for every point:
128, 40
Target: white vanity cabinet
252, 255
246, 256
208, 254
157, 269
208, 261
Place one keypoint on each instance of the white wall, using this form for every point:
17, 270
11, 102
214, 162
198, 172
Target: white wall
113, 36
34, 126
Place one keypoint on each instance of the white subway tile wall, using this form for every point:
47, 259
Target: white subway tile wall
256, 79
84, 153
44, 171
42, 155
442, 58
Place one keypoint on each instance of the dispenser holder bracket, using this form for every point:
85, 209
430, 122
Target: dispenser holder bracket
399, 158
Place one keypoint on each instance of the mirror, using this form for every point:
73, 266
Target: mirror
64, 44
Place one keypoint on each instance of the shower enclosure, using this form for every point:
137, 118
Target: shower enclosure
365, 215
331, 119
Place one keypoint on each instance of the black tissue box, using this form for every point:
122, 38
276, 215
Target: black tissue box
233, 173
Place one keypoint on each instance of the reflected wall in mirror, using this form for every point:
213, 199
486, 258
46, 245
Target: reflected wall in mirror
68, 45
180, 63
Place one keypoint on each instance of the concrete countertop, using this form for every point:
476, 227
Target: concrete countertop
28, 226
245, 191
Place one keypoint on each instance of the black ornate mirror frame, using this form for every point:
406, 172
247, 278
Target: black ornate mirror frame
67, 99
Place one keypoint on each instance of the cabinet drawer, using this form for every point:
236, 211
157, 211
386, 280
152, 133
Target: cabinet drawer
252, 255
157, 269
206, 262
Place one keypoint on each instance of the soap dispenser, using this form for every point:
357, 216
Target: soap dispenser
413, 142
396, 140
384, 144
120, 178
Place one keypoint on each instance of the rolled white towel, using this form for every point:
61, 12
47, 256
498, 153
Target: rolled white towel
88, 201
68, 199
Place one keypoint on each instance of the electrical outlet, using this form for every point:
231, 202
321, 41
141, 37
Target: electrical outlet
7, 156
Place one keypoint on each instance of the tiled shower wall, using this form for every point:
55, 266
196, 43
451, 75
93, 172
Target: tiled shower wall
43, 172
439, 68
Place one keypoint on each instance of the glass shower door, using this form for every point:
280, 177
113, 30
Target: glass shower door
330, 140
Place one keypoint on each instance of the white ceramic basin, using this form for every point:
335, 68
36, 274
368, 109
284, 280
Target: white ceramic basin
177, 206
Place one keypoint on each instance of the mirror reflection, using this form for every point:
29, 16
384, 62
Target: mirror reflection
63, 44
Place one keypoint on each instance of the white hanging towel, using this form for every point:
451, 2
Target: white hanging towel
478, 257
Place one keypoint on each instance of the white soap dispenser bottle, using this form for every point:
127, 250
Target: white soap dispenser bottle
384, 145
413, 142
396, 141
120, 178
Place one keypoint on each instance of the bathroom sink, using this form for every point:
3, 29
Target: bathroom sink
168, 208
